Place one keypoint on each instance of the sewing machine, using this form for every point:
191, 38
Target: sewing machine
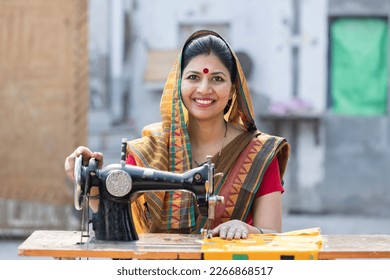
117, 184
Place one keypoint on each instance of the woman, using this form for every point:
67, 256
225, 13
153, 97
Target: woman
206, 110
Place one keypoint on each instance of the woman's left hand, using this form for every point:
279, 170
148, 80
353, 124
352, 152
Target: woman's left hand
234, 229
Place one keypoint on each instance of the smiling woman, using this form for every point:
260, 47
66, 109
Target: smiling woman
206, 109
205, 94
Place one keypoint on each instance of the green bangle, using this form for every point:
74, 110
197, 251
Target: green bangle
261, 232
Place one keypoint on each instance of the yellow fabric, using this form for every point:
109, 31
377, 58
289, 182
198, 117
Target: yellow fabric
153, 129
302, 244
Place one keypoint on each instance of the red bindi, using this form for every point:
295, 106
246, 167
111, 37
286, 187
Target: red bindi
205, 70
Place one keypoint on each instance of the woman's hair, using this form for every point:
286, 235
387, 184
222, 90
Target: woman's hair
206, 45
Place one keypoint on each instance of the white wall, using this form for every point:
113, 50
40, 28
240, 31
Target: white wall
314, 41
312, 88
261, 29
98, 27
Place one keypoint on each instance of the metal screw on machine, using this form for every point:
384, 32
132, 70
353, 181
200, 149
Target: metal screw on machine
212, 199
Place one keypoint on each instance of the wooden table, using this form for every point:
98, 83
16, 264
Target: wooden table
67, 244
355, 247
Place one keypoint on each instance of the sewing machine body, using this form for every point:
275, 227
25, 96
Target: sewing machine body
114, 220
138, 180
117, 183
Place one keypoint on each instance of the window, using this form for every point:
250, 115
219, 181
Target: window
358, 67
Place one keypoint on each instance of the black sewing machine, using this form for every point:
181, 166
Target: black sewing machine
118, 182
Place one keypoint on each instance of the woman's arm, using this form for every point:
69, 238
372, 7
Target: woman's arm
267, 212
267, 218
266, 209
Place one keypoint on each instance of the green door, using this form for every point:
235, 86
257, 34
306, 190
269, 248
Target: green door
359, 66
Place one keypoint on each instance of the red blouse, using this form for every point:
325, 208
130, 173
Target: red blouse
271, 183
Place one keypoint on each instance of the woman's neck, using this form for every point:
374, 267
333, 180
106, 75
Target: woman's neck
206, 133
207, 139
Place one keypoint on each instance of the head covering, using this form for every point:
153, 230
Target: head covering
171, 150
175, 116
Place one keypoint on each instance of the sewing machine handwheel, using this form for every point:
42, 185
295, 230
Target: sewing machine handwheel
78, 192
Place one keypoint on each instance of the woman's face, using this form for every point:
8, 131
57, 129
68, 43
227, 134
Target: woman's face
206, 87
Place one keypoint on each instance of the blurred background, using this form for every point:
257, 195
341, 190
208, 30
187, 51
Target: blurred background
81, 72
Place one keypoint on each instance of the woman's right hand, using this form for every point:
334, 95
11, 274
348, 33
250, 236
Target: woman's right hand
87, 155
